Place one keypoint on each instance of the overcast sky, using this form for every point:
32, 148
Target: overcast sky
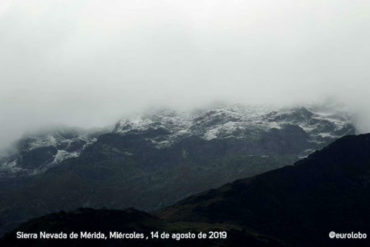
89, 62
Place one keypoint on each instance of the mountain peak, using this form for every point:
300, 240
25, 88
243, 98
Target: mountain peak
238, 121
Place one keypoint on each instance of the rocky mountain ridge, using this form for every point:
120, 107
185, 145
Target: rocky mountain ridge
311, 128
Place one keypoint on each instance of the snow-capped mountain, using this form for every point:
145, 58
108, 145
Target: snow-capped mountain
238, 122
39, 152
264, 131
152, 161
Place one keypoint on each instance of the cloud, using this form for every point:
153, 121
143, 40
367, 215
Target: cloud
88, 62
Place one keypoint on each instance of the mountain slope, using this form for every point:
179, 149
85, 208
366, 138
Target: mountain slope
298, 205
160, 159
301, 204
36, 153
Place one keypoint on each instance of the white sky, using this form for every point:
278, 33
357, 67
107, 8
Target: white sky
89, 62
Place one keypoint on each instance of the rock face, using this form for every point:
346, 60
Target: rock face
291, 206
157, 159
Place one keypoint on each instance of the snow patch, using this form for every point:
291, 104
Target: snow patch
63, 155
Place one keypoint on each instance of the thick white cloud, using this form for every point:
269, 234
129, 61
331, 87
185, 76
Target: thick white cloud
88, 62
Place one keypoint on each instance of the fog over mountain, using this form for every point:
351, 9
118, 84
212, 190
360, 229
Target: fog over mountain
89, 63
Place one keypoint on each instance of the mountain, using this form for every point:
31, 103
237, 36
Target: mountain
300, 204
157, 159
36, 153
296, 205
293, 131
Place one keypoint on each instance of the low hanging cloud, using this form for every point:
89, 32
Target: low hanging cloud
89, 62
